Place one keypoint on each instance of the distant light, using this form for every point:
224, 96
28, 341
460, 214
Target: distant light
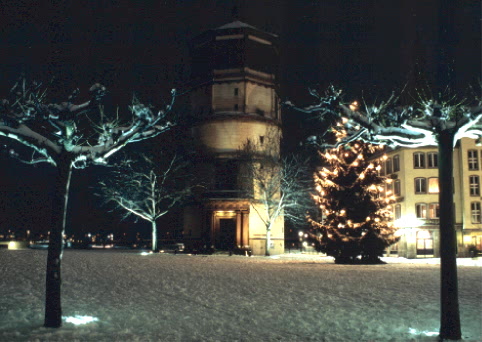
12, 245
146, 253
78, 320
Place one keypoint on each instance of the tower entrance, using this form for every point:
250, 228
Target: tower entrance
226, 235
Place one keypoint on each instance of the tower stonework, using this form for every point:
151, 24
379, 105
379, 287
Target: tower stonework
233, 101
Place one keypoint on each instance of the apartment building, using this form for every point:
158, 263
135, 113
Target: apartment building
417, 211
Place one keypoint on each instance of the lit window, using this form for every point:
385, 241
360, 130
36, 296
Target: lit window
398, 211
432, 160
433, 210
419, 160
397, 187
396, 163
475, 212
473, 159
421, 210
474, 185
420, 185
389, 166
389, 189
433, 185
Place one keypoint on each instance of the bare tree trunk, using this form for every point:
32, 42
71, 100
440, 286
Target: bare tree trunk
268, 241
53, 309
154, 236
450, 315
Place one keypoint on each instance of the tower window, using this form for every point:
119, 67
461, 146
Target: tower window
236, 107
260, 112
236, 91
261, 139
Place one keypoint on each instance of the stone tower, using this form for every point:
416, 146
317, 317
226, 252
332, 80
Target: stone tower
233, 101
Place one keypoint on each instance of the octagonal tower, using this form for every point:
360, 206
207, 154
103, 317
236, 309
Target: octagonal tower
233, 101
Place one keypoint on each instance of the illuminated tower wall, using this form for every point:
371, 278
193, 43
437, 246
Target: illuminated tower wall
233, 100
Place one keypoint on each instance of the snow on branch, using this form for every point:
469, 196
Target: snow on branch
394, 125
52, 129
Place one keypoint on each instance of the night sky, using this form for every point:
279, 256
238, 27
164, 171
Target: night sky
368, 48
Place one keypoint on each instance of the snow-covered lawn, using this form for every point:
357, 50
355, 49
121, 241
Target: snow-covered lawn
165, 297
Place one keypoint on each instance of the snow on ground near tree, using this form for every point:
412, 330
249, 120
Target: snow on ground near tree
165, 297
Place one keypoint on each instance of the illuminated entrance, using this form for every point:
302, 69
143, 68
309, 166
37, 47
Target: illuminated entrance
225, 237
424, 243
229, 229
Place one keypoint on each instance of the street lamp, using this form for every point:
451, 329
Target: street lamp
300, 234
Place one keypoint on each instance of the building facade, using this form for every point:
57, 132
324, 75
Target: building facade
233, 101
416, 188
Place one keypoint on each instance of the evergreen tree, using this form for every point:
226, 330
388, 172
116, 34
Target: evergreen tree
355, 211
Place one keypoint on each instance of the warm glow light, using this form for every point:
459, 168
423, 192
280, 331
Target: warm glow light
433, 186
408, 221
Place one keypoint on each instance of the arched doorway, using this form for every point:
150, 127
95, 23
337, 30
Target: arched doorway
424, 243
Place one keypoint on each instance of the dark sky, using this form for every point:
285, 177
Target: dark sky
369, 47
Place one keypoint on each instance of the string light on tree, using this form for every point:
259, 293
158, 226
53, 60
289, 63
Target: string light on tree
355, 212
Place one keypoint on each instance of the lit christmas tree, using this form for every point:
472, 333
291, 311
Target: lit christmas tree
355, 210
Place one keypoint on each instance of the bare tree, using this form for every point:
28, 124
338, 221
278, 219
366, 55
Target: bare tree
439, 123
148, 191
280, 185
62, 135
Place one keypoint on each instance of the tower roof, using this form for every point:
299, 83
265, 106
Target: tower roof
235, 24
240, 25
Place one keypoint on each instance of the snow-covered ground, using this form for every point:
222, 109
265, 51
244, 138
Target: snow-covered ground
165, 297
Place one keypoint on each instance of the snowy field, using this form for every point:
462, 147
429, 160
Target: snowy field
164, 297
